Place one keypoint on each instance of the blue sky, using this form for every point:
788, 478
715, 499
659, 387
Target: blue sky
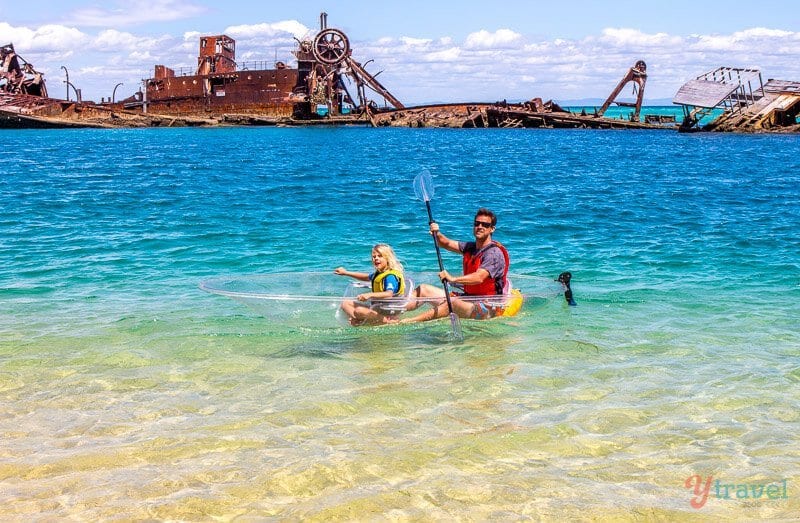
428, 51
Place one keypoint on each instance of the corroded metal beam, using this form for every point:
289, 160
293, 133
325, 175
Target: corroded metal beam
636, 74
374, 84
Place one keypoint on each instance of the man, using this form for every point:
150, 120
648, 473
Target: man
485, 266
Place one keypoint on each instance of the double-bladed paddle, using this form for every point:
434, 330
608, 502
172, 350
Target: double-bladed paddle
423, 188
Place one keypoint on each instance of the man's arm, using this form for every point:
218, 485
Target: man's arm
467, 279
444, 241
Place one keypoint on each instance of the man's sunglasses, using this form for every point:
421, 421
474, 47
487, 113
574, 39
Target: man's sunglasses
485, 225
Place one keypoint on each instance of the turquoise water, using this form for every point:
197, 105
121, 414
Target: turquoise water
624, 113
128, 392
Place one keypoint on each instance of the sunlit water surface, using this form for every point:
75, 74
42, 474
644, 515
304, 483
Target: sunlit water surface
129, 393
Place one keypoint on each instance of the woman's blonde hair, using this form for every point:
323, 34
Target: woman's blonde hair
387, 252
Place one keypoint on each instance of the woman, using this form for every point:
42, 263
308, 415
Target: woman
387, 281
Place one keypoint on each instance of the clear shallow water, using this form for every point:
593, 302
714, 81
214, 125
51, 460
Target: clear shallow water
624, 113
128, 391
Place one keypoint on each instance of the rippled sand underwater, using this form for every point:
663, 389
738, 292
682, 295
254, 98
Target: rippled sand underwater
235, 421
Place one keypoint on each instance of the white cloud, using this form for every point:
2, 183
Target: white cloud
92, 70
623, 37
445, 55
135, 12
291, 28
418, 42
483, 39
113, 41
141, 57
260, 42
763, 32
756, 39
21, 35
47, 38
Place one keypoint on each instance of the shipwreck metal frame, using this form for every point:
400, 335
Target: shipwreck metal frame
636, 75
726, 88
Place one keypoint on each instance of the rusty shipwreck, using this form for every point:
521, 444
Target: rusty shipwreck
25, 104
327, 83
329, 86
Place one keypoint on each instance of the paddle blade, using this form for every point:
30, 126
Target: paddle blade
455, 324
423, 186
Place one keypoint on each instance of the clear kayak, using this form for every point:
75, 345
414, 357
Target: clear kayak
314, 299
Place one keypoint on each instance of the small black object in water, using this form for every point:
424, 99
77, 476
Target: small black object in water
564, 278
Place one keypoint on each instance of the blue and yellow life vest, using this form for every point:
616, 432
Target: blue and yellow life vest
378, 277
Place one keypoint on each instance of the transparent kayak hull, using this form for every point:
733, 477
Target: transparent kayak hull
314, 299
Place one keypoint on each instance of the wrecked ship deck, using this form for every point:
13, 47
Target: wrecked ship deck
502, 115
773, 106
19, 111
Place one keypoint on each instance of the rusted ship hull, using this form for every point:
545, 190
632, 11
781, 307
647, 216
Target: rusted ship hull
25, 104
24, 111
267, 93
16, 121
20, 111
219, 87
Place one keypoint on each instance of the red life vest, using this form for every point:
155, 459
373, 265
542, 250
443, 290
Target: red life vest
490, 286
